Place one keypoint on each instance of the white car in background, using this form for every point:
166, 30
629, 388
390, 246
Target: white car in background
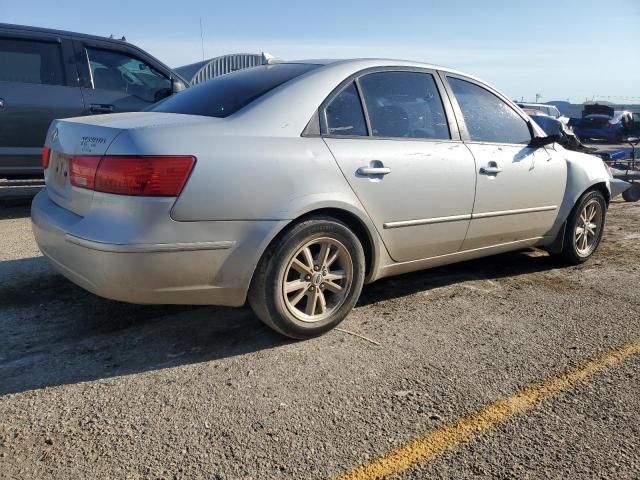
550, 110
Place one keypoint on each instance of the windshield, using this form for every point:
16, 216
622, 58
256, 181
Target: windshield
226, 94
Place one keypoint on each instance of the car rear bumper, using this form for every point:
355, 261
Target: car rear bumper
215, 271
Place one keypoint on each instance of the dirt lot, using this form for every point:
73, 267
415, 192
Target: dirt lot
91, 388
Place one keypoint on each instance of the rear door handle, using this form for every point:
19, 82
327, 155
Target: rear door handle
492, 170
101, 108
1, 102
366, 171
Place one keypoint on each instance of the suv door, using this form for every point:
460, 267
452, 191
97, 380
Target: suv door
519, 189
38, 83
394, 139
119, 79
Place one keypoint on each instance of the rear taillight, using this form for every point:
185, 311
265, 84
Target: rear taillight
160, 176
46, 154
82, 171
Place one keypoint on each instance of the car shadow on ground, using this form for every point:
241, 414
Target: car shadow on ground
56, 333
487, 268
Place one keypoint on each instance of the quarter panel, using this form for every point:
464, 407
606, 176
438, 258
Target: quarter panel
260, 178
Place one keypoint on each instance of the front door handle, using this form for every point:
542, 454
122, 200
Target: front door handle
98, 108
1, 102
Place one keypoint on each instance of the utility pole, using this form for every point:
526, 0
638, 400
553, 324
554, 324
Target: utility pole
201, 39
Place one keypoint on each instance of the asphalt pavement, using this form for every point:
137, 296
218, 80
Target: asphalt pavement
92, 388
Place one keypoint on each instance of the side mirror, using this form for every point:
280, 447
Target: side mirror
537, 142
176, 86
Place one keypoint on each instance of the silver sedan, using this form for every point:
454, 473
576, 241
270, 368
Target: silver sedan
291, 184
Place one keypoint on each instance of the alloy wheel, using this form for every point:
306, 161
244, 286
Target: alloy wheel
317, 279
588, 226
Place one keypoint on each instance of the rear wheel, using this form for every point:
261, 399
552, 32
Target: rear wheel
585, 227
632, 194
310, 279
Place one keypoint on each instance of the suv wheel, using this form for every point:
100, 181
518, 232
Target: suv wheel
310, 279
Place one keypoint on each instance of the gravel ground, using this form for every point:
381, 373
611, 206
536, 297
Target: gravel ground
91, 388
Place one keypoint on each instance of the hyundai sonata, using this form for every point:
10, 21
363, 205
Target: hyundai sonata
291, 184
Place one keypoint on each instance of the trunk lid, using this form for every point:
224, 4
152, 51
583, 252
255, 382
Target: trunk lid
597, 110
65, 139
595, 121
92, 136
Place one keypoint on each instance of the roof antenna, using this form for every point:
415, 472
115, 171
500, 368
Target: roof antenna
201, 39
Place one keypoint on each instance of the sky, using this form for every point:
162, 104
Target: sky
573, 50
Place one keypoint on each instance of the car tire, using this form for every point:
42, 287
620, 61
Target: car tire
584, 229
309, 279
632, 194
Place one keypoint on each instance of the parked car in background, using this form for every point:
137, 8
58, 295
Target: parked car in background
550, 110
291, 184
47, 74
601, 122
553, 126
569, 140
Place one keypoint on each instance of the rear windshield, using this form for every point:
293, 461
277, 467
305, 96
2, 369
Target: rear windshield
225, 95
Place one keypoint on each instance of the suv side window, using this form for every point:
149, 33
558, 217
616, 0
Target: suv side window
112, 70
31, 61
345, 115
404, 105
488, 119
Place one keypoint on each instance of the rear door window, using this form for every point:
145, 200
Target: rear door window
345, 115
226, 94
31, 61
118, 71
487, 117
404, 105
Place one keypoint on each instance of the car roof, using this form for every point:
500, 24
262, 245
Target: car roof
115, 41
53, 31
309, 90
533, 111
357, 64
525, 104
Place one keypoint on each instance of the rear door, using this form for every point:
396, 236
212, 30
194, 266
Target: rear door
117, 78
403, 158
38, 83
519, 189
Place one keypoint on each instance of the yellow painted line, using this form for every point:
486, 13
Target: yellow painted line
465, 429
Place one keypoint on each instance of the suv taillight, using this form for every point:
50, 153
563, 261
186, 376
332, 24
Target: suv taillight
158, 176
46, 155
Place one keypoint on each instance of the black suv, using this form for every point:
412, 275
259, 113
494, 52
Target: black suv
47, 74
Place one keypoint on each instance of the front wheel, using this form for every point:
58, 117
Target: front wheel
585, 227
308, 281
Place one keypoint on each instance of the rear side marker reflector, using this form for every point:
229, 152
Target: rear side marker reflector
158, 176
46, 155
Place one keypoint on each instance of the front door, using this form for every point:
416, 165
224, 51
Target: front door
119, 81
519, 189
415, 181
